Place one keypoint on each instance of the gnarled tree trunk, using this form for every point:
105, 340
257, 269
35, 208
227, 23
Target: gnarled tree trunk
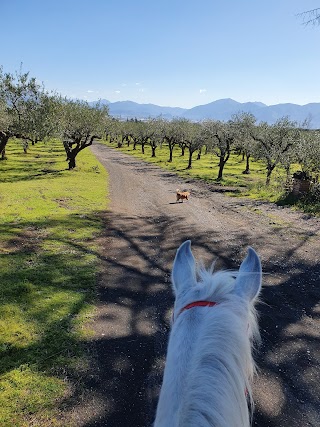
4, 137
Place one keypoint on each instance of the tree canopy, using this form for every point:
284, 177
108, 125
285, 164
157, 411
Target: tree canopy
29, 112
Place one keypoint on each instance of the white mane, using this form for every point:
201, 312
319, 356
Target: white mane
209, 365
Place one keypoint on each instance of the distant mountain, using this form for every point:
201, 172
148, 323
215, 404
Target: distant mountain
222, 109
131, 110
298, 113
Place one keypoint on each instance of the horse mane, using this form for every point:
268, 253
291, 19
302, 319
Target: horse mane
210, 366
222, 368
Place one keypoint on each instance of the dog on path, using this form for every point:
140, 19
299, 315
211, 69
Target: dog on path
182, 195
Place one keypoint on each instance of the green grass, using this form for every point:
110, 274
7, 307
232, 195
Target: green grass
48, 267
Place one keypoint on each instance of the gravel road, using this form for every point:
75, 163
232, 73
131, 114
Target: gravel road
143, 228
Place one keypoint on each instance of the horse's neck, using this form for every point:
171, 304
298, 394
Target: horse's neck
196, 380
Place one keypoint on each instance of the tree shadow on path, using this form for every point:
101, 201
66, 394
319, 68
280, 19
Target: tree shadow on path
133, 320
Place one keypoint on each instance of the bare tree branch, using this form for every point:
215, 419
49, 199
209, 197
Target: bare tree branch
310, 17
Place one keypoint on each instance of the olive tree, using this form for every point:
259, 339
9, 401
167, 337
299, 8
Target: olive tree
142, 133
220, 137
135, 133
274, 142
126, 130
156, 134
243, 124
174, 134
308, 151
21, 99
44, 120
115, 131
192, 138
80, 124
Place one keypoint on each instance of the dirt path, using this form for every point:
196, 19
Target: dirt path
144, 227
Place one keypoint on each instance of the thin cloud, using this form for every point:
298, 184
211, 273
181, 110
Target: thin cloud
202, 90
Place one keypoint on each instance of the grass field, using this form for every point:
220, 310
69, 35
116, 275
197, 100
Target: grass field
48, 267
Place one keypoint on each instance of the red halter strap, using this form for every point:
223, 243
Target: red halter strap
197, 304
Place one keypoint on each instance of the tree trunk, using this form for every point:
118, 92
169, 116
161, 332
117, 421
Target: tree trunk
221, 166
71, 154
25, 146
269, 172
190, 160
171, 154
247, 170
3, 142
224, 157
288, 174
72, 161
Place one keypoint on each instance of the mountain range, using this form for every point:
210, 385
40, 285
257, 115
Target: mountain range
222, 109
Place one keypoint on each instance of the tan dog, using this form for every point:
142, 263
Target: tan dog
181, 195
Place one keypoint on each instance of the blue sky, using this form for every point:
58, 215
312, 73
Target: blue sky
168, 52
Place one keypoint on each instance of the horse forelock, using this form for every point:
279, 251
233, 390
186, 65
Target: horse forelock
216, 284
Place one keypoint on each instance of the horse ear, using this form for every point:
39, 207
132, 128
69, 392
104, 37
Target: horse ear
248, 281
184, 268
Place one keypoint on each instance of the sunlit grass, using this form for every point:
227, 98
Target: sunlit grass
48, 267
31, 392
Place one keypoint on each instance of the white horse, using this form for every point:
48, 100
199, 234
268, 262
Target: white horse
209, 365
